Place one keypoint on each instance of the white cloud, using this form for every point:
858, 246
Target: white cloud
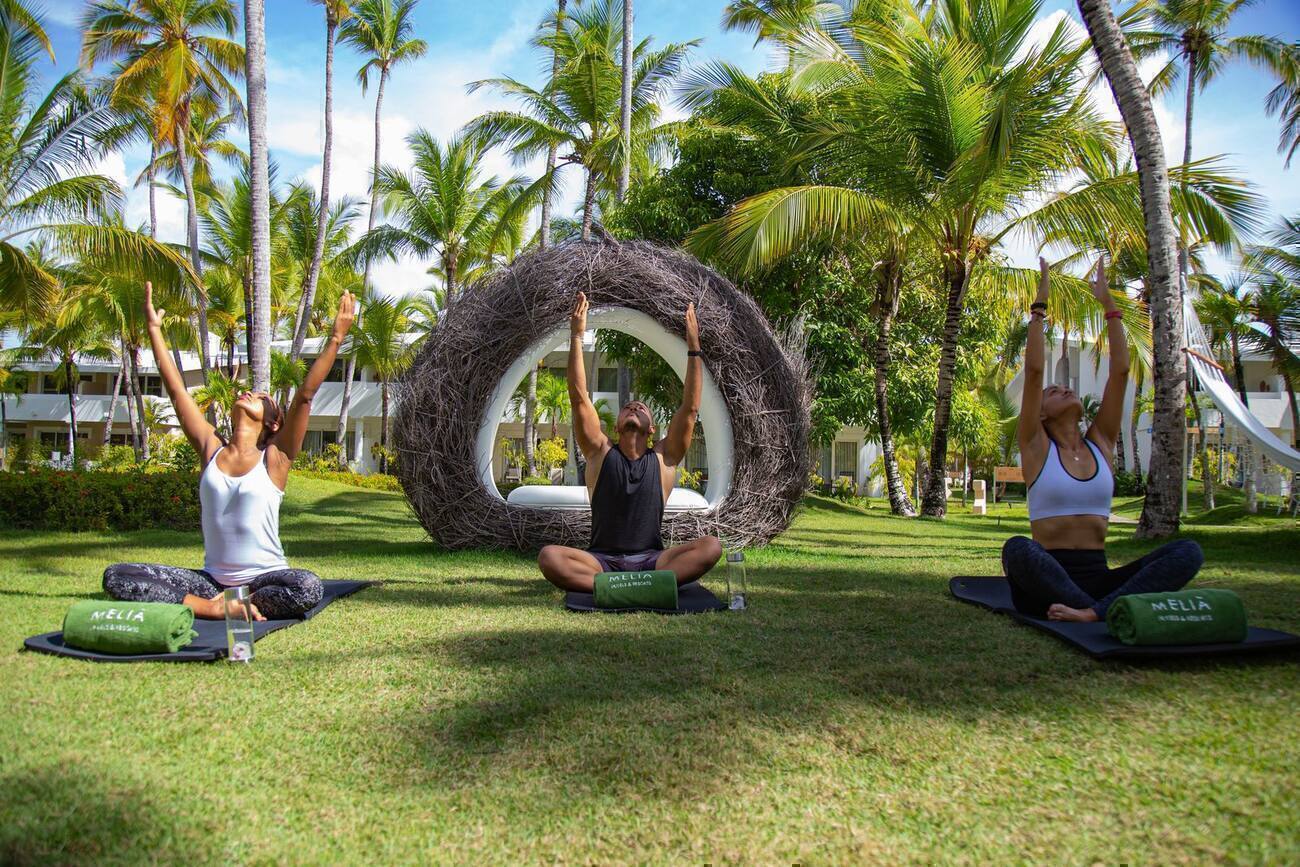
65, 12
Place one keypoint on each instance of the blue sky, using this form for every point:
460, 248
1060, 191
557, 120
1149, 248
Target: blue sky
469, 41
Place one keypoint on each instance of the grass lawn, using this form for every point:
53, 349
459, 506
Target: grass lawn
458, 714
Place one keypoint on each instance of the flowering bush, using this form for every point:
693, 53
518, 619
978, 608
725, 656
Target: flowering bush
373, 481
693, 480
43, 499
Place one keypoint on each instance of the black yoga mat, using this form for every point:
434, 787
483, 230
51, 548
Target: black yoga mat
211, 641
692, 598
1093, 639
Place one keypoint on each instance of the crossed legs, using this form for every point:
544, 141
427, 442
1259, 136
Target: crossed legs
575, 569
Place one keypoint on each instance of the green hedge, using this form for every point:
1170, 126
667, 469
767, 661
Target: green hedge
82, 501
374, 481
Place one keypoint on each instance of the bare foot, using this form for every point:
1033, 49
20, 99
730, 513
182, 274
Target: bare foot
1072, 615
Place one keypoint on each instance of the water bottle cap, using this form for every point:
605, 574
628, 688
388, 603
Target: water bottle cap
735, 556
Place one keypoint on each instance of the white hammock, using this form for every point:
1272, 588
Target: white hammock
1225, 397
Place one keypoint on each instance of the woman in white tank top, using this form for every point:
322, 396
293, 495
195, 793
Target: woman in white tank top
1061, 573
240, 491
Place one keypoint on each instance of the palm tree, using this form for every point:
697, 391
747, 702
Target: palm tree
381, 31
625, 105
259, 356
777, 21
446, 207
380, 344
1194, 35
1274, 304
1160, 509
287, 373
920, 134
47, 193
1226, 316
13, 383
181, 53
579, 109
553, 399
217, 396
336, 12
314, 241
69, 333
208, 138
1284, 101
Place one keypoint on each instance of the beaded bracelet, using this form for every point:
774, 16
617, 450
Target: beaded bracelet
1114, 314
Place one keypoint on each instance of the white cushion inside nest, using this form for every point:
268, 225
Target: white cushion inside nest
575, 497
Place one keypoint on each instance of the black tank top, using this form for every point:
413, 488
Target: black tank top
627, 506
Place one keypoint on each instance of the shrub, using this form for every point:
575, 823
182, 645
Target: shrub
325, 462
373, 481
173, 452
816, 483
116, 459
534, 480
45, 499
843, 489
551, 453
380, 453
1129, 485
693, 480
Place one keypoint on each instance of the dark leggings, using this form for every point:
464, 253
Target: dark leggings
279, 595
1081, 579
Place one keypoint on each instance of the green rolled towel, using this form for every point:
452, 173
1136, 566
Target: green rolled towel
654, 589
128, 627
1185, 617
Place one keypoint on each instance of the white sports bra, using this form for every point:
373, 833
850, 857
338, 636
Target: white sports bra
241, 523
1056, 493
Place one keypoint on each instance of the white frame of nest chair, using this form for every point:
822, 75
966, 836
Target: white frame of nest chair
714, 419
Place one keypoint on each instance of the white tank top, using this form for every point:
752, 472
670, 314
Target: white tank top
241, 524
1056, 493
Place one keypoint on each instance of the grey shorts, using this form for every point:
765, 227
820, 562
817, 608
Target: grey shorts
638, 561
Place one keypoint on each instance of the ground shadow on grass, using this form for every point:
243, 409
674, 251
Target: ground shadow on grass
82, 816
631, 704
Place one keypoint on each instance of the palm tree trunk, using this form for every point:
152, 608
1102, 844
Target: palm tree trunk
192, 238
139, 404
152, 171
112, 403
322, 218
1065, 354
247, 283
1160, 511
552, 153
4, 433
1248, 450
934, 499
588, 203
383, 426
130, 385
71, 388
530, 424
1189, 67
255, 76
1121, 465
1295, 410
625, 113
349, 368
888, 288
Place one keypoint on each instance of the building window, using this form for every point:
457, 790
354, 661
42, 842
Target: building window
119, 439
607, 379
336, 371
697, 456
151, 385
846, 460
50, 385
315, 441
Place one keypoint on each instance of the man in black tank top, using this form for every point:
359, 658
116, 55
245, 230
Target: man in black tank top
629, 479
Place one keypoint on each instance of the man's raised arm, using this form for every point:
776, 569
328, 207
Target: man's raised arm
682, 427
586, 421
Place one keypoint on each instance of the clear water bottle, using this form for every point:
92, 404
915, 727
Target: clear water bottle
239, 624
737, 587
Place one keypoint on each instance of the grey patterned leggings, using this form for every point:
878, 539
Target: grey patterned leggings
279, 595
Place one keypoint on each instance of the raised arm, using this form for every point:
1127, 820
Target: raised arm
201, 435
682, 427
290, 436
1029, 430
586, 421
1110, 415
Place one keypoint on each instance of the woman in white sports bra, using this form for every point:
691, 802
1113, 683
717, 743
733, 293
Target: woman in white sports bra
240, 491
1061, 573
